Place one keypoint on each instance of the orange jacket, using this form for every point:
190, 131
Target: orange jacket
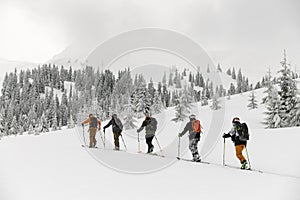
88, 120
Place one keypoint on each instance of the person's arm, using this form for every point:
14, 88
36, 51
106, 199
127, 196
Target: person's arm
99, 124
186, 129
107, 125
86, 121
142, 127
229, 134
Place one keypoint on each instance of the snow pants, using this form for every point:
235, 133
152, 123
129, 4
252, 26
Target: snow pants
149, 141
193, 146
116, 139
93, 140
238, 150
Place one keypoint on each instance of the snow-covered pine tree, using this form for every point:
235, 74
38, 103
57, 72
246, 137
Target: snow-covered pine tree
54, 124
157, 104
287, 93
252, 101
239, 81
59, 125
129, 121
45, 124
183, 106
14, 127
38, 128
215, 102
71, 123
272, 119
270, 87
232, 89
228, 72
2, 122
141, 100
20, 130
30, 130
233, 75
181, 110
170, 83
219, 69
295, 114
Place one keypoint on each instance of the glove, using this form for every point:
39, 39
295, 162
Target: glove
224, 135
179, 135
138, 130
82, 124
103, 130
99, 129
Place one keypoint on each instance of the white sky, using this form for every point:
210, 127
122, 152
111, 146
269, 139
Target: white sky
247, 34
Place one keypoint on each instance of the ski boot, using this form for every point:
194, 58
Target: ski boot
151, 149
117, 148
244, 165
196, 159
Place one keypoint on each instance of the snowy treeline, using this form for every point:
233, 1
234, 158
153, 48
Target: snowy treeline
49, 96
283, 104
29, 100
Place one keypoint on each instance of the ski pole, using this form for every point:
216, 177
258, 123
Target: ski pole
139, 144
248, 157
178, 153
102, 139
224, 153
123, 142
83, 136
158, 144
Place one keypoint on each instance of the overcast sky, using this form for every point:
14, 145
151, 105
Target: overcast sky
247, 34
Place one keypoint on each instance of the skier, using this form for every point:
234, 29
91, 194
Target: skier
194, 128
236, 136
94, 124
117, 128
150, 124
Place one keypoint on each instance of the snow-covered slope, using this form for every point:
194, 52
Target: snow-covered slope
55, 166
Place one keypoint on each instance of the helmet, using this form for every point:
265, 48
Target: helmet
236, 120
192, 116
114, 115
147, 114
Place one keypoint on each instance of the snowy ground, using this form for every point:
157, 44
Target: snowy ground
55, 166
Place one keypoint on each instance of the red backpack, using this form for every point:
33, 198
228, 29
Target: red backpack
196, 127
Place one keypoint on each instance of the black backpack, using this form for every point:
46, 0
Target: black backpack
243, 132
94, 122
152, 125
118, 123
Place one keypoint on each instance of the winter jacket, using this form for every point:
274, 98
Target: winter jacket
189, 128
115, 127
233, 133
88, 121
150, 131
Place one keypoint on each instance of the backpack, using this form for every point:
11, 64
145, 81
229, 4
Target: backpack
243, 132
94, 122
118, 123
152, 125
196, 127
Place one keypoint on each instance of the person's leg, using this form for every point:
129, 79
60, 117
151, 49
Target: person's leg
149, 143
193, 146
116, 140
92, 137
238, 151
